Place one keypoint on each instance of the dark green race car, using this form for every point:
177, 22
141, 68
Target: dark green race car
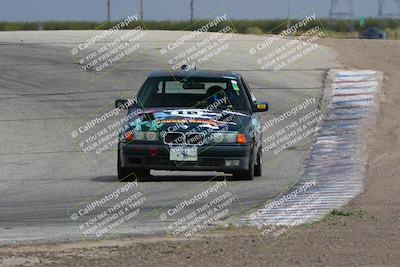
191, 121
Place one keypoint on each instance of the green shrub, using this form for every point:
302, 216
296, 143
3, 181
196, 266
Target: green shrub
274, 26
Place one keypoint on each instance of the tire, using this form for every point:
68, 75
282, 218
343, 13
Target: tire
141, 175
127, 175
122, 173
258, 167
245, 175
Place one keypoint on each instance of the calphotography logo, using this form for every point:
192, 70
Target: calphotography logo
277, 53
109, 48
113, 210
203, 207
208, 41
104, 131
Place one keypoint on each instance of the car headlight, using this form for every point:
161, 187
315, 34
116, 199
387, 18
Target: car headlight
151, 136
141, 136
224, 137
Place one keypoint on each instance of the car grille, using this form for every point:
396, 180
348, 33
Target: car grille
194, 138
176, 138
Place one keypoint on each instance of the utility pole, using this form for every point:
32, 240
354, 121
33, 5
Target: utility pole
383, 14
141, 10
349, 14
288, 13
108, 11
333, 13
381, 3
191, 10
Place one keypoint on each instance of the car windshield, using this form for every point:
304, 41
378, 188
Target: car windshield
193, 92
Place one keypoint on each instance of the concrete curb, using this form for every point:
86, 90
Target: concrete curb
336, 166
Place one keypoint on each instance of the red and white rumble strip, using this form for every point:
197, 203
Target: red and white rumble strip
336, 165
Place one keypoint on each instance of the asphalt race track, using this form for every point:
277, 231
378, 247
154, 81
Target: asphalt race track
43, 93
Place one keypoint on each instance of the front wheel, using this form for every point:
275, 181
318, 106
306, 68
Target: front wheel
245, 175
141, 174
258, 167
126, 175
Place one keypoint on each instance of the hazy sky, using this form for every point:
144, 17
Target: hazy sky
31, 10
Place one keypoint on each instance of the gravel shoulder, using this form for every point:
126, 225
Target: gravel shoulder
365, 234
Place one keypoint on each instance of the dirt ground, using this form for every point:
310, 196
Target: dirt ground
367, 234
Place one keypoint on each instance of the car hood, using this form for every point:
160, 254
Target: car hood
182, 120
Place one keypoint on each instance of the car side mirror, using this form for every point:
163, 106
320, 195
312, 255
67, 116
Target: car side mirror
121, 103
261, 107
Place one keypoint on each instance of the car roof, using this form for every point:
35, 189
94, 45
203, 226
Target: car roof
194, 73
374, 29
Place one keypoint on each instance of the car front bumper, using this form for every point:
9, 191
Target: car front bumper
210, 158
